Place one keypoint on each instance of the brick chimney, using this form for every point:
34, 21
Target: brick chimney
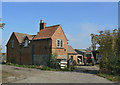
42, 25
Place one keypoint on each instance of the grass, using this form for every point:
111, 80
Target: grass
38, 67
25, 66
114, 78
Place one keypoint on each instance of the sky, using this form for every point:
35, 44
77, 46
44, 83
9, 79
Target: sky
60, 0
78, 19
119, 15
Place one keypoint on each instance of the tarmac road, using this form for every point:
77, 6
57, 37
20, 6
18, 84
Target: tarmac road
39, 76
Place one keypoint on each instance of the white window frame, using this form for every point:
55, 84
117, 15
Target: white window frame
12, 43
26, 43
59, 43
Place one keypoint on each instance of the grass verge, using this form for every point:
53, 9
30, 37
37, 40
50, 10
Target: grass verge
114, 78
38, 67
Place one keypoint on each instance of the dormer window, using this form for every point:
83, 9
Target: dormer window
12, 43
59, 43
26, 43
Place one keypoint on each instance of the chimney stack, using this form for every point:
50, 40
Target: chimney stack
42, 25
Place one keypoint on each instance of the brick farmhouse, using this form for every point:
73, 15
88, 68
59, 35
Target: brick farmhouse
36, 49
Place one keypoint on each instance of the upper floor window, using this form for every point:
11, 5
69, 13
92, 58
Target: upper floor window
59, 43
26, 43
12, 43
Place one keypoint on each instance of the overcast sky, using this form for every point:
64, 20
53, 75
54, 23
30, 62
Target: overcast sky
78, 19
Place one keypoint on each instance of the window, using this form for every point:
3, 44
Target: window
12, 43
59, 43
26, 43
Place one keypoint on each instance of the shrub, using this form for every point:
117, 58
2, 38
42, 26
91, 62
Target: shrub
110, 65
53, 60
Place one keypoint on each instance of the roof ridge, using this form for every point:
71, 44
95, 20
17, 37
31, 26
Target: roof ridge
21, 33
54, 25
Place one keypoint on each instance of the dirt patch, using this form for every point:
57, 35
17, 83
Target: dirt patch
8, 76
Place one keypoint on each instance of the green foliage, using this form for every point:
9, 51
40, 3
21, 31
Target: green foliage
108, 48
25, 66
110, 77
53, 60
40, 67
45, 68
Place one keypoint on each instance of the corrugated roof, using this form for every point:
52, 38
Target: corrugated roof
71, 50
47, 32
21, 36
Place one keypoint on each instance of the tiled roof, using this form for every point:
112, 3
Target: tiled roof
21, 36
43, 34
71, 50
47, 32
82, 50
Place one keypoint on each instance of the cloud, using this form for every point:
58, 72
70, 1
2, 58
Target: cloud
82, 39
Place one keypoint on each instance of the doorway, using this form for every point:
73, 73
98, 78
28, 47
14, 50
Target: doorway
79, 59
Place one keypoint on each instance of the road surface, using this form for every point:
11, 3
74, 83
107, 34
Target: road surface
28, 75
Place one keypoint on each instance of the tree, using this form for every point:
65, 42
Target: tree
2, 24
94, 42
108, 49
107, 42
118, 42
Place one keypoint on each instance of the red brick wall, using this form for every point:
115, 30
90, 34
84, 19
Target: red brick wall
59, 34
75, 57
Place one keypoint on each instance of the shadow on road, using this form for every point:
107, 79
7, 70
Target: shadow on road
86, 69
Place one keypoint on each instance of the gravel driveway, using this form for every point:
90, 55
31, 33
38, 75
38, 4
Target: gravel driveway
39, 76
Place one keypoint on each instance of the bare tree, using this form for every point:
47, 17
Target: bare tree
1, 24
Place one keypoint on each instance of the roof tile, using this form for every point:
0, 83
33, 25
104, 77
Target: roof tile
43, 34
47, 32
21, 36
71, 50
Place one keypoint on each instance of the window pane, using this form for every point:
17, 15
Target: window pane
12, 43
58, 43
61, 43
26, 43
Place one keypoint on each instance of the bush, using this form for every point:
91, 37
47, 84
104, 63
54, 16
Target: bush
53, 60
110, 65
108, 49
